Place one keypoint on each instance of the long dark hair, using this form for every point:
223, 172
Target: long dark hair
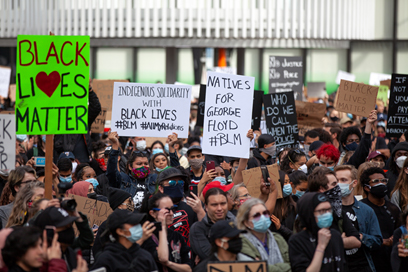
133, 157
284, 205
293, 156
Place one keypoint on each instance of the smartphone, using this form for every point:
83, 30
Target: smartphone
39, 161
210, 165
265, 175
50, 230
95, 226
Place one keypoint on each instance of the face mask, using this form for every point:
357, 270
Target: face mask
345, 189
334, 119
67, 179
141, 145
44, 137
242, 201
381, 135
334, 196
262, 225
234, 245
379, 191
196, 163
157, 150
160, 170
136, 232
331, 168
166, 148
306, 148
271, 151
66, 236
324, 220
400, 161
303, 168
287, 190
101, 163
92, 195
140, 173
21, 137
277, 162
222, 180
299, 194
174, 191
74, 166
94, 182
351, 147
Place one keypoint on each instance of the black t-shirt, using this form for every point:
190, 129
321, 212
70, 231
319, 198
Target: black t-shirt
355, 257
183, 219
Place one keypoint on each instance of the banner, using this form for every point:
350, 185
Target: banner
309, 116
286, 74
201, 106
98, 125
257, 110
237, 266
104, 89
281, 119
252, 179
52, 84
356, 98
342, 75
7, 141
227, 115
398, 108
150, 110
5, 73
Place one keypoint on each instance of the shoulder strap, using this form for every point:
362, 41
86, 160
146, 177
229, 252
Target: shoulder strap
35, 151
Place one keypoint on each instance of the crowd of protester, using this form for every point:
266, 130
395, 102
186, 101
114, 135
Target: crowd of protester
344, 204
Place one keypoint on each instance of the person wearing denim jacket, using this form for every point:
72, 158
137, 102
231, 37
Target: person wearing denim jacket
368, 226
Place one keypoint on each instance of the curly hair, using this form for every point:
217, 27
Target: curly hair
96, 146
349, 131
79, 171
365, 176
329, 151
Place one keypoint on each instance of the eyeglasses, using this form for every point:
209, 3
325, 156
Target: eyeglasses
257, 216
246, 195
353, 140
171, 209
176, 182
28, 181
323, 211
375, 181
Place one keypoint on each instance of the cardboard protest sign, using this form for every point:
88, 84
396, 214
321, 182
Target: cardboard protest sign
201, 106
376, 78
237, 266
228, 111
356, 98
52, 84
96, 211
7, 141
12, 92
286, 74
257, 110
383, 94
309, 116
386, 83
398, 108
99, 124
316, 89
342, 75
281, 119
5, 73
252, 179
104, 89
150, 110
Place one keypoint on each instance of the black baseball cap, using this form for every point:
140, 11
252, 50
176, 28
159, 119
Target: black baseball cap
194, 147
120, 217
169, 173
315, 145
224, 228
52, 216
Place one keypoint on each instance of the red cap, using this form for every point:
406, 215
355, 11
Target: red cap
106, 130
217, 184
376, 154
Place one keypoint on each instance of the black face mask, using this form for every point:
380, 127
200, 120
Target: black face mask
92, 195
334, 119
379, 191
66, 236
235, 245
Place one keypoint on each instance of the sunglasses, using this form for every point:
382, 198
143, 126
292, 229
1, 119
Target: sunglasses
172, 209
176, 182
258, 215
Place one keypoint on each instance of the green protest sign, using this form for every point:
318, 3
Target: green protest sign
52, 84
383, 94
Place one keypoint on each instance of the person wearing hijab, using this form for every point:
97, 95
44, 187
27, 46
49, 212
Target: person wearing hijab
86, 189
317, 247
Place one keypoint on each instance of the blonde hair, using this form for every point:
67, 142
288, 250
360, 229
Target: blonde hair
234, 191
244, 210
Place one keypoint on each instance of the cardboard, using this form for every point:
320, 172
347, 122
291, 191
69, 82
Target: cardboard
7, 142
309, 115
227, 115
238, 266
356, 98
285, 75
52, 84
104, 89
252, 179
99, 124
397, 122
386, 83
150, 110
5, 73
316, 89
12, 92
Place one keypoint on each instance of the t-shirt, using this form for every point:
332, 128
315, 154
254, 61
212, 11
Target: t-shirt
183, 219
141, 191
355, 257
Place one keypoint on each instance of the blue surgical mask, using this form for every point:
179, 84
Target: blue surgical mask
277, 162
324, 220
94, 182
352, 146
345, 189
331, 168
222, 180
21, 137
157, 150
67, 179
166, 148
262, 225
299, 194
160, 170
136, 232
287, 190
44, 137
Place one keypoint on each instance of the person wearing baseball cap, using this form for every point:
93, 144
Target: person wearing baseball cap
226, 245
377, 156
124, 228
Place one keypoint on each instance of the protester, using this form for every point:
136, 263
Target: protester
197, 169
395, 164
298, 181
328, 156
377, 156
311, 136
263, 155
399, 254
294, 160
239, 194
65, 170
399, 195
98, 162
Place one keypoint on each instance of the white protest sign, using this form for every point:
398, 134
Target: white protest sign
7, 141
4, 80
375, 78
227, 115
150, 110
345, 76
227, 70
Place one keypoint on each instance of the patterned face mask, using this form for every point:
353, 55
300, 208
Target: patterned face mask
141, 172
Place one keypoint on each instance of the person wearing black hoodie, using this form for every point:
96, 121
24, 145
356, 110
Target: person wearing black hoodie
263, 155
317, 247
400, 150
125, 228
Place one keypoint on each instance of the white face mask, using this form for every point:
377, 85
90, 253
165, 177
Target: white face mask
303, 168
74, 166
400, 161
141, 145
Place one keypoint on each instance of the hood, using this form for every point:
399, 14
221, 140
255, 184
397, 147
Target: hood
258, 155
117, 249
400, 146
306, 206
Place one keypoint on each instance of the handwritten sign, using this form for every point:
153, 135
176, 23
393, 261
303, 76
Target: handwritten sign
342, 75
4, 80
376, 78
281, 119
286, 74
96, 211
398, 108
309, 116
12, 92
52, 84
227, 115
355, 98
150, 110
7, 141
99, 124
201, 106
237, 266
104, 90
252, 179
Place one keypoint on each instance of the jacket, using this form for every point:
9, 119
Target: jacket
250, 250
202, 267
362, 151
54, 265
369, 227
257, 160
